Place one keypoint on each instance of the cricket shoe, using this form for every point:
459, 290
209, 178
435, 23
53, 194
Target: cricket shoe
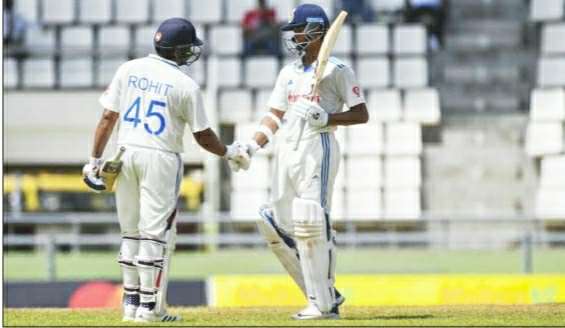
311, 312
129, 312
339, 299
147, 315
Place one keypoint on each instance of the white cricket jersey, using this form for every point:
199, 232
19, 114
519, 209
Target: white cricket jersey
338, 87
155, 100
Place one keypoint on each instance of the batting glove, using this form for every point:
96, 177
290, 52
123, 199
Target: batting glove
90, 175
311, 112
237, 156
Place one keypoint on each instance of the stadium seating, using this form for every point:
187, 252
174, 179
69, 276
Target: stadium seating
226, 39
357, 142
552, 168
344, 42
128, 11
113, 40
544, 138
402, 172
422, 106
372, 39
261, 71
402, 204
144, 39
95, 11
28, 9
38, 73
551, 39
546, 10
163, 9
235, 106
76, 40
106, 69
258, 178
403, 138
373, 72
551, 71
235, 10
10, 73
385, 105
210, 13
410, 39
547, 105
363, 205
40, 41
58, 11
410, 72
363, 172
76, 73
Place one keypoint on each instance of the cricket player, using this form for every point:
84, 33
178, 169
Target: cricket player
153, 100
297, 223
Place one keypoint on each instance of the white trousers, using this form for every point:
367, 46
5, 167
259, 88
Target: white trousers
308, 173
147, 190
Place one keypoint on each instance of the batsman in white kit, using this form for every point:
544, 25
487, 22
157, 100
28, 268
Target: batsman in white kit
153, 100
305, 114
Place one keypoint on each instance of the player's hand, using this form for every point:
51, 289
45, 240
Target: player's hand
90, 175
311, 112
237, 156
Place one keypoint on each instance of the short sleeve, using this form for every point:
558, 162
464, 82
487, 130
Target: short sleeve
278, 99
110, 99
348, 88
196, 115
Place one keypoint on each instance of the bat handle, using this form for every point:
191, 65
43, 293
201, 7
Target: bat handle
297, 142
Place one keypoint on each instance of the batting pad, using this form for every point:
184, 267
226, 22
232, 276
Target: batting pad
314, 246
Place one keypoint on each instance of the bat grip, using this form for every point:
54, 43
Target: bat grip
297, 142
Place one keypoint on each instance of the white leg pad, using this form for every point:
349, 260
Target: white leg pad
313, 239
128, 250
149, 262
162, 280
282, 245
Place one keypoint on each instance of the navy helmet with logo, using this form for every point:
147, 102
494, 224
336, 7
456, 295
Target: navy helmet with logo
309, 20
176, 39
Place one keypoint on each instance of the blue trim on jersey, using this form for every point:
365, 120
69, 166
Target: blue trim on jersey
179, 173
336, 62
325, 169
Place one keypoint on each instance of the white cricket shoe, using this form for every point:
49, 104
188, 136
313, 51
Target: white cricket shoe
311, 312
146, 315
129, 312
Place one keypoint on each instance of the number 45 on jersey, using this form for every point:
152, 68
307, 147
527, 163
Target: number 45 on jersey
132, 115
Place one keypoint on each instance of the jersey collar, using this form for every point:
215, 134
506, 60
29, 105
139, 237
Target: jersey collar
166, 61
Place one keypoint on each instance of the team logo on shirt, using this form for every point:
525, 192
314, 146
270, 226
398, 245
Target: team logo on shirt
356, 91
158, 36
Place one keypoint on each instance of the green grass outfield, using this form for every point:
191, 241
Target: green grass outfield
483, 315
32, 266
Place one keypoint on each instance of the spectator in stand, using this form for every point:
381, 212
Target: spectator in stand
359, 11
431, 13
260, 31
14, 26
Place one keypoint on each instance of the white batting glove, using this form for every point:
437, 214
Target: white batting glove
90, 175
311, 112
237, 156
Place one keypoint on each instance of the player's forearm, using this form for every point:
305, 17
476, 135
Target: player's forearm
261, 137
208, 140
356, 115
103, 132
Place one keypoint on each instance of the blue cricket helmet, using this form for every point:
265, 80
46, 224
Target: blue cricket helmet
306, 14
178, 36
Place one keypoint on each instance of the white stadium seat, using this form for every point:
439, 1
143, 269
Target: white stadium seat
363, 172
422, 106
245, 205
544, 138
387, 5
365, 139
258, 177
226, 40
128, 11
76, 72
410, 39
372, 39
95, 11
550, 204
402, 204
403, 138
344, 42
385, 105
114, 40
144, 39
547, 105
402, 172
338, 205
10, 72
77, 39
106, 70
39, 73
283, 8
196, 71
373, 72
209, 13
235, 106
551, 173
364, 205
164, 9
29, 9
551, 39
235, 10
410, 72
261, 99
58, 11
551, 71
40, 40
545, 10
229, 70
261, 71
341, 138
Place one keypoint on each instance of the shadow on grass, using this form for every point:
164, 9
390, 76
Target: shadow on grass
391, 317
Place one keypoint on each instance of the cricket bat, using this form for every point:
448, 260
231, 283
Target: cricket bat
111, 168
323, 56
